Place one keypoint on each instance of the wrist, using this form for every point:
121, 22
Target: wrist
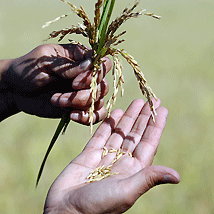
7, 104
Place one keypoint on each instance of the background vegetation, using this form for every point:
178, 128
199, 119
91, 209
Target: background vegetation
177, 57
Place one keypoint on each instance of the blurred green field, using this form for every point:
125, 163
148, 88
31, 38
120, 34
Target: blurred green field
177, 57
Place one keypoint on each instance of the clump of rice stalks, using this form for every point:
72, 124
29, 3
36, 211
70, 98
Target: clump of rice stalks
103, 40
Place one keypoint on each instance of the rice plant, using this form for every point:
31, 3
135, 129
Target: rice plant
103, 40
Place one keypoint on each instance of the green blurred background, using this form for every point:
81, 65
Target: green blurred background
177, 57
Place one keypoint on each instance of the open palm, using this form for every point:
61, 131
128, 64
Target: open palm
134, 133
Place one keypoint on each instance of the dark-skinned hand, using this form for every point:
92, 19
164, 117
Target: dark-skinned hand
52, 78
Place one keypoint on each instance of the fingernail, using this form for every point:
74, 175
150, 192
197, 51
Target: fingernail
54, 99
63, 101
85, 64
170, 179
74, 116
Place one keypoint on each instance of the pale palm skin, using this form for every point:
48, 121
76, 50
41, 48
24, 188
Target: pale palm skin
132, 131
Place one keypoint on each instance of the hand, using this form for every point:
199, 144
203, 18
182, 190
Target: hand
52, 78
134, 132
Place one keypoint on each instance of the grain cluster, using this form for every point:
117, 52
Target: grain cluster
103, 171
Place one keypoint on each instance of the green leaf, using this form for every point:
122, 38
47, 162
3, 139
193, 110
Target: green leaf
106, 15
63, 124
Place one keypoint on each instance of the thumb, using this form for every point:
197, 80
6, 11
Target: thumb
149, 177
70, 60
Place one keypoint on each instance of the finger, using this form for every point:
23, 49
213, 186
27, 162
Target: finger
105, 130
69, 69
81, 55
97, 106
135, 135
79, 99
83, 116
138, 184
83, 80
75, 51
146, 149
125, 124
68, 60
